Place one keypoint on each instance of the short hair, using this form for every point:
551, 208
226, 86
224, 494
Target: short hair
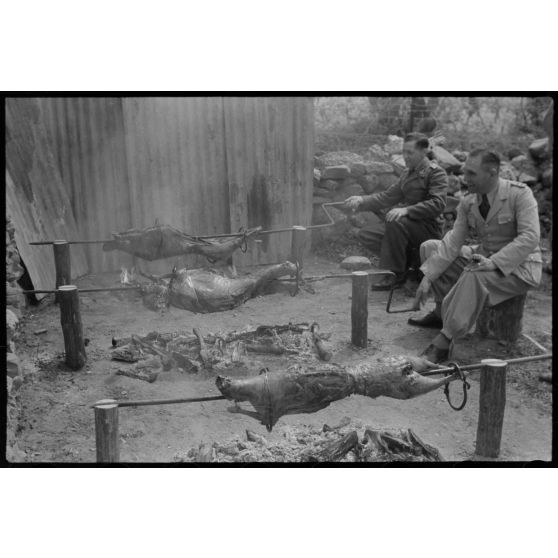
488, 158
420, 140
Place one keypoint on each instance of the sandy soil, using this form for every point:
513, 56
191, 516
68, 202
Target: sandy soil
56, 422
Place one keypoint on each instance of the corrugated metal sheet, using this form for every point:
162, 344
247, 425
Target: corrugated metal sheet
88, 139
176, 164
269, 145
36, 198
204, 165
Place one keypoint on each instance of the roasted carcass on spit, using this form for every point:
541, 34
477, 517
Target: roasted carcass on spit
284, 393
164, 241
207, 290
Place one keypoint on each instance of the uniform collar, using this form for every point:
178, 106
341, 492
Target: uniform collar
501, 192
495, 199
421, 168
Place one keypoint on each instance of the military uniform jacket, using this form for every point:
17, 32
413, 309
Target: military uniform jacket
422, 191
509, 237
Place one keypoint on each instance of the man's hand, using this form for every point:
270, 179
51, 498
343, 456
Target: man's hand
396, 213
480, 263
420, 364
423, 291
353, 202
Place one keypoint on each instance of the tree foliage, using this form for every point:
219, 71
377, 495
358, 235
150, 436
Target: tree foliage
466, 122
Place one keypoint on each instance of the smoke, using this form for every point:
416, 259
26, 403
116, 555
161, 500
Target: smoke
128, 277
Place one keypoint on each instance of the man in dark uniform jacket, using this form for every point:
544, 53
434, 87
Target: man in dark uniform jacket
416, 200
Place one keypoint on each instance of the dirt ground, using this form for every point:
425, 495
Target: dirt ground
56, 422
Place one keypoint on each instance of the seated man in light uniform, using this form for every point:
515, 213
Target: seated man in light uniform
504, 217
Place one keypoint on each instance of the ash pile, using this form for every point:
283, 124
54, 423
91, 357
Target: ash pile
348, 442
215, 352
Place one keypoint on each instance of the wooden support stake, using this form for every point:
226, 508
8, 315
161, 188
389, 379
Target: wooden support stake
70, 319
106, 431
298, 245
492, 403
502, 321
62, 264
359, 309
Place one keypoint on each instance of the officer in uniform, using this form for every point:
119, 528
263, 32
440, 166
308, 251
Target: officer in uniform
416, 200
502, 216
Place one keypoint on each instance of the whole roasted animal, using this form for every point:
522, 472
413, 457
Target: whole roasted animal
164, 241
208, 290
276, 394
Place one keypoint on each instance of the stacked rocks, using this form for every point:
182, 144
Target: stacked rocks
15, 302
533, 168
541, 156
341, 174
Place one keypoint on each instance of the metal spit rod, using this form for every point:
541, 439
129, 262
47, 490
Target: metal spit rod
479, 365
145, 402
92, 290
227, 235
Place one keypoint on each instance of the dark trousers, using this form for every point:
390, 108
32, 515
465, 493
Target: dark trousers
399, 241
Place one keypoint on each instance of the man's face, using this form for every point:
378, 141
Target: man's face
479, 178
412, 155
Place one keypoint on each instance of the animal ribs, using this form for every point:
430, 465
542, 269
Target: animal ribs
277, 394
164, 241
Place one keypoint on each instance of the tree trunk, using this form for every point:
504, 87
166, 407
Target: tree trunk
502, 321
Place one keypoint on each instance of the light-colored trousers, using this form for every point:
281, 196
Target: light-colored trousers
461, 294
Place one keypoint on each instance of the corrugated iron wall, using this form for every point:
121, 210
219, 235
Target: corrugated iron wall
176, 165
270, 145
88, 140
36, 198
204, 165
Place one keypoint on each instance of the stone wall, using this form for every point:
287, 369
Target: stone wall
340, 174
15, 304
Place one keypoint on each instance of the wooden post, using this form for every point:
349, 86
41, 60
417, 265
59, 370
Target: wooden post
62, 264
502, 321
298, 245
70, 319
492, 403
359, 309
107, 439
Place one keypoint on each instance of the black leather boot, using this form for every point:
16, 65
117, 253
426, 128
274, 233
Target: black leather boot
430, 320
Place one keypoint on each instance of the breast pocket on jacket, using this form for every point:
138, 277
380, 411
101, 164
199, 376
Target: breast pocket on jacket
506, 224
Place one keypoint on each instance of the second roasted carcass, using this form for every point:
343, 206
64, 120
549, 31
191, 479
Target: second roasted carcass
164, 241
207, 290
273, 395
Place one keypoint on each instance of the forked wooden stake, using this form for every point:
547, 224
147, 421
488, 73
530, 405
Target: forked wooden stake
359, 309
298, 245
70, 319
62, 264
492, 403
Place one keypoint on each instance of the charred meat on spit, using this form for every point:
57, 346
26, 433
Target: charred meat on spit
273, 395
207, 290
164, 241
